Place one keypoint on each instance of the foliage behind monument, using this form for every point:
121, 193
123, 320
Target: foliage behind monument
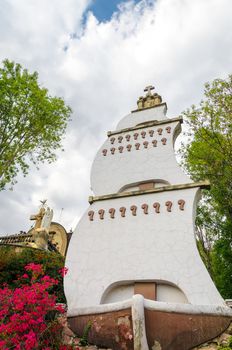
208, 155
32, 123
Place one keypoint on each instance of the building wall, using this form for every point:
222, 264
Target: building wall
154, 246
111, 172
141, 243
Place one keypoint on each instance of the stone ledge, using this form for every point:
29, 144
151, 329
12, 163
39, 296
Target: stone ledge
201, 184
145, 125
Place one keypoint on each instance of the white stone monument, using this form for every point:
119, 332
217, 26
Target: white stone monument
137, 236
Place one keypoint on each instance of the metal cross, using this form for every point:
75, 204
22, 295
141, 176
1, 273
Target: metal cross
148, 89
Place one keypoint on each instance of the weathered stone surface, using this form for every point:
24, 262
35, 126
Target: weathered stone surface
222, 340
156, 346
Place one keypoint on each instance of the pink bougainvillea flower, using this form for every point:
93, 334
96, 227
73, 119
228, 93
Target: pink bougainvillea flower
63, 271
23, 314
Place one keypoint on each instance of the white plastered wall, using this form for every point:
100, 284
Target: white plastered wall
153, 246
111, 172
146, 247
132, 119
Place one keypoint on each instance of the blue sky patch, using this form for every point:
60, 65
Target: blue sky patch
103, 9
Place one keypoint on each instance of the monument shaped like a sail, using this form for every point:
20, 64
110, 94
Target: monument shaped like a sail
137, 236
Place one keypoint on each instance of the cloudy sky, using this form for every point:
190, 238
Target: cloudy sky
99, 55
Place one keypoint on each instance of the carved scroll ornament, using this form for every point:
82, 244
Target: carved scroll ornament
112, 140
101, 213
156, 205
181, 204
91, 215
112, 212
133, 209
136, 136
164, 141
154, 142
104, 152
143, 133
160, 130
169, 206
145, 208
120, 148
127, 137
151, 132
145, 144
122, 211
112, 150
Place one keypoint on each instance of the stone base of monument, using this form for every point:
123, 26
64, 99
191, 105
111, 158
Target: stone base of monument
142, 324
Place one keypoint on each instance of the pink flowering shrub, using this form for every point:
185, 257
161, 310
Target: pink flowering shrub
12, 265
29, 313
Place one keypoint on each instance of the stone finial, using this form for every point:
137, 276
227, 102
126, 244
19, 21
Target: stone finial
150, 100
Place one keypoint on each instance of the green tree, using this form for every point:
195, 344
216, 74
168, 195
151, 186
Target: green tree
32, 123
208, 155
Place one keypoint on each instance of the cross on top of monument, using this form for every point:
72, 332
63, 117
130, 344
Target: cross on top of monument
148, 89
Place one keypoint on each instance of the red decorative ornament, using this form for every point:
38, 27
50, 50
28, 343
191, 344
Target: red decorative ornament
145, 144
156, 205
143, 133
169, 206
133, 209
122, 211
145, 208
181, 203
101, 213
136, 136
164, 141
154, 142
91, 215
112, 212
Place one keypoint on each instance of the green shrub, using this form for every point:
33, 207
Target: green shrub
13, 260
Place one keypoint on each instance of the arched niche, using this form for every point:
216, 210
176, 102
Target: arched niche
144, 185
154, 290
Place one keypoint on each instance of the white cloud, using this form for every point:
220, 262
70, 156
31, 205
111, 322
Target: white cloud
175, 44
